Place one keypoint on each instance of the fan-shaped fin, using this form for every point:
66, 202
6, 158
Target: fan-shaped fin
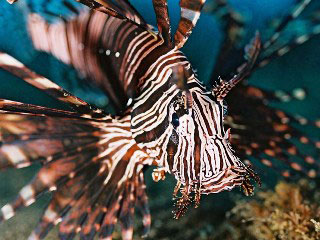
121, 9
63, 199
297, 10
288, 47
272, 136
97, 45
269, 49
28, 138
93, 167
17, 68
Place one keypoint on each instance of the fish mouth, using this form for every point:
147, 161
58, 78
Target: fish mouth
229, 178
224, 180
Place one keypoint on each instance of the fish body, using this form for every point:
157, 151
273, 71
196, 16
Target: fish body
93, 162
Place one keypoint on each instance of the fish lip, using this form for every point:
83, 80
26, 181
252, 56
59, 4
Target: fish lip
230, 178
227, 179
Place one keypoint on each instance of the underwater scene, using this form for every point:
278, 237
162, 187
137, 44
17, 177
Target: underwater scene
117, 122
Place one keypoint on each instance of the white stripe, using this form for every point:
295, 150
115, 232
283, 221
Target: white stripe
7, 60
297, 12
14, 154
50, 215
157, 63
145, 53
162, 101
191, 15
27, 194
283, 50
302, 39
116, 159
132, 46
7, 211
159, 81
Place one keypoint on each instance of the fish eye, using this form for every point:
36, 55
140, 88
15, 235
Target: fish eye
175, 120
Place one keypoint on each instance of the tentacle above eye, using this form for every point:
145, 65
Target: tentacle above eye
252, 50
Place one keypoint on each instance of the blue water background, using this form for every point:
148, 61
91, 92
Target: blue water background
299, 68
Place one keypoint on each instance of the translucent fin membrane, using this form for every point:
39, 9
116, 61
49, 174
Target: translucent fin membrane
93, 184
233, 32
92, 166
271, 47
17, 68
270, 136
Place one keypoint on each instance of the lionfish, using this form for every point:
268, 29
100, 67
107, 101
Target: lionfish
93, 162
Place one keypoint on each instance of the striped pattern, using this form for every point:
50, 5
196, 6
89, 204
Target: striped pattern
89, 163
105, 48
93, 162
120, 9
17, 68
163, 21
190, 13
197, 150
113, 55
284, 23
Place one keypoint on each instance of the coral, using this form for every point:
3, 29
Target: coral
290, 212
316, 225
